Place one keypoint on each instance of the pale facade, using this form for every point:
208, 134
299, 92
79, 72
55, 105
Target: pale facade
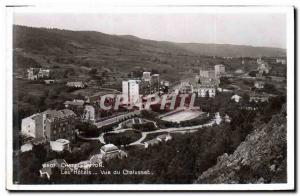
204, 90
219, 70
130, 89
89, 113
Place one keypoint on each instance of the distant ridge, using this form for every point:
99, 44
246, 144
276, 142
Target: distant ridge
25, 38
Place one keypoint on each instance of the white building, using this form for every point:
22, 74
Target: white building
60, 145
236, 98
186, 87
130, 89
78, 84
31, 125
204, 90
219, 70
37, 73
109, 151
259, 84
282, 61
89, 113
146, 76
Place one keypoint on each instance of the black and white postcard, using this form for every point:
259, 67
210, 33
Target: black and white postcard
159, 98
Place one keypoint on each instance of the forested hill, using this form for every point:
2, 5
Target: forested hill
43, 39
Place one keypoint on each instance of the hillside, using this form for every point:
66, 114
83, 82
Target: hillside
261, 158
122, 55
227, 50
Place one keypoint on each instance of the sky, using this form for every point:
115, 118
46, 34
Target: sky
256, 29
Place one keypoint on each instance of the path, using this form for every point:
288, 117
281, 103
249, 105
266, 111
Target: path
217, 120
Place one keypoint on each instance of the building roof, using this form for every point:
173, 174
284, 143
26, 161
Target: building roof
75, 102
53, 114
109, 148
63, 141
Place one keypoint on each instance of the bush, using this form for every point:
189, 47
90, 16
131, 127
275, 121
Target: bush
124, 138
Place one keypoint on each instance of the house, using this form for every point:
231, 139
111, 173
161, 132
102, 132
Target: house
32, 73
78, 84
259, 84
259, 98
164, 137
236, 98
151, 142
227, 119
206, 90
49, 81
60, 145
157, 140
48, 167
239, 71
43, 73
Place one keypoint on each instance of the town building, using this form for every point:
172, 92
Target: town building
152, 142
239, 71
90, 113
130, 89
206, 90
186, 87
263, 67
51, 125
109, 151
259, 84
26, 147
157, 140
207, 77
219, 70
155, 82
59, 124
146, 76
60, 145
37, 73
259, 98
32, 126
236, 98
164, 137
49, 81
78, 84
281, 60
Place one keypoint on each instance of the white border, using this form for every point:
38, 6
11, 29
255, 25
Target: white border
65, 7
